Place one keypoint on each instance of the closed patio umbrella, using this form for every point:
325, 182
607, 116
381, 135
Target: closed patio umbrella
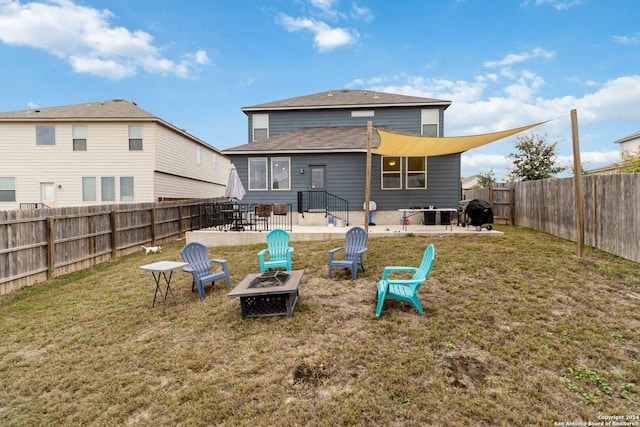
235, 190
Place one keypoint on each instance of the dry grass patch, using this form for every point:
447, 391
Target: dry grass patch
517, 330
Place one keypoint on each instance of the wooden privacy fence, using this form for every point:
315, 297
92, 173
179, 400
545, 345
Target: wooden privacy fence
611, 206
37, 245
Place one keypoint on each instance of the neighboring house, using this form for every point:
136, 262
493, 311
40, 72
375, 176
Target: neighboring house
102, 153
302, 147
470, 182
628, 144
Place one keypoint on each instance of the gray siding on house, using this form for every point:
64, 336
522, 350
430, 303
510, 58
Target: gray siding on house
405, 119
346, 178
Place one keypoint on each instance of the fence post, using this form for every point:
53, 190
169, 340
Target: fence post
114, 235
512, 205
51, 253
152, 215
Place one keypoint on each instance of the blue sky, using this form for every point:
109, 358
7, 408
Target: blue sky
502, 63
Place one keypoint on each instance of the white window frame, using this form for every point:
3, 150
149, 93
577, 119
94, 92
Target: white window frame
136, 138
89, 193
45, 135
259, 122
430, 117
386, 160
410, 172
252, 172
277, 166
7, 189
79, 135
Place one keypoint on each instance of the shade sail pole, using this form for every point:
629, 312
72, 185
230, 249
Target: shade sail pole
577, 183
367, 187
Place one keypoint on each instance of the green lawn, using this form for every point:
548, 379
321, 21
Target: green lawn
517, 331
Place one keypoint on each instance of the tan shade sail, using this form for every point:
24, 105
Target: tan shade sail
401, 144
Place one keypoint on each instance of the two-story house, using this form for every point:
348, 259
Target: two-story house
309, 149
102, 153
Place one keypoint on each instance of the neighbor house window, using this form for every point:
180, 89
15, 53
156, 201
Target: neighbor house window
45, 135
258, 174
260, 127
214, 161
7, 189
198, 154
88, 188
416, 172
126, 189
391, 175
79, 138
135, 138
280, 173
108, 188
429, 121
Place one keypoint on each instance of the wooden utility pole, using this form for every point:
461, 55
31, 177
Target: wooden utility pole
577, 180
367, 188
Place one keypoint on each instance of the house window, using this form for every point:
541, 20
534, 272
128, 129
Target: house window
45, 135
416, 172
280, 173
108, 188
135, 138
79, 138
214, 161
198, 154
126, 189
88, 188
391, 175
7, 189
258, 174
260, 127
363, 113
429, 122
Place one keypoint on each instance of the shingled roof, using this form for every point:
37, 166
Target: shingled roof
101, 110
346, 98
341, 139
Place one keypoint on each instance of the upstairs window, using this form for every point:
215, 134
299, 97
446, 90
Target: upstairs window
391, 173
79, 138
45, 135
429, 122
135, 138
214, 161
258, 174
416, 172
7, 189
198, 155
260, 127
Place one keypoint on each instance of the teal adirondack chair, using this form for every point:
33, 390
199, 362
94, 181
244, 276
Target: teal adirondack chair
355, 246
405, 289
200, 267
278, 250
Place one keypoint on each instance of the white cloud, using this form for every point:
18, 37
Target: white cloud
84, 37
325, 37
361, 12
560, 4
515, 58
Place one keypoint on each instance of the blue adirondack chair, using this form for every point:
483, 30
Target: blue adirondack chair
355, 246
405, 289
278, 250
200, 267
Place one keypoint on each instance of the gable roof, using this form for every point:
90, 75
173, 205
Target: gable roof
101, 110
336, 139
346, 98
628, 138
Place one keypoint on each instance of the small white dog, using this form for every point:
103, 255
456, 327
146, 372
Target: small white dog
152, 249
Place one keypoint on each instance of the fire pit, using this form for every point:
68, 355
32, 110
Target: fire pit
272, 278
269, 294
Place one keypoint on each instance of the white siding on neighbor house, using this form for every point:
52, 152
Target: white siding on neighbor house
176, 155
631, 146
107, 155
175, 187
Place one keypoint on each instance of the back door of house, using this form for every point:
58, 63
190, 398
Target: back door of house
317, 187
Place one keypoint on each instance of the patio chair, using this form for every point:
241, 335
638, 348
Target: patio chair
200, 267
405, 289
278, 250
355, 247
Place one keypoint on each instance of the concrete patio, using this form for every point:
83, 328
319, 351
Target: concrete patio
213, 237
